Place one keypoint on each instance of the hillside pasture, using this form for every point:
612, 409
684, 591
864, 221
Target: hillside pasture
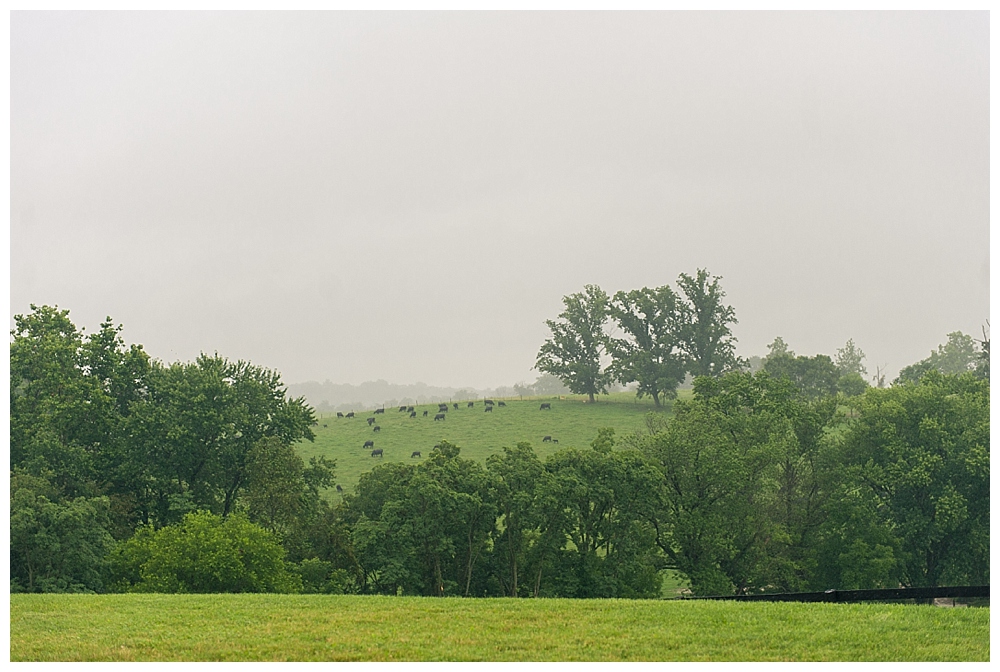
571, 423
134, 627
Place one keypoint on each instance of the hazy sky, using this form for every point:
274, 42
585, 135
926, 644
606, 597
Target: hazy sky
408, 196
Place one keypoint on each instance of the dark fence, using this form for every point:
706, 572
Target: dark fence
860, 595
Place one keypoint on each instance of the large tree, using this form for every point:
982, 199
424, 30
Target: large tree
705, 335
650, 353
578, 342
922, 451
958, 355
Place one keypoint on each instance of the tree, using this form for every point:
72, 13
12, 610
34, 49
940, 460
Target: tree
958, 355
705, 334
517, 474
574, 351
56, 545
850, 359
601, 501
815, 376
737, 491
778, 347
204, 553
650, 354
195, 433
921, 452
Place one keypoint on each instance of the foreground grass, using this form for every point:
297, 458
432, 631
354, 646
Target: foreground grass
357, 628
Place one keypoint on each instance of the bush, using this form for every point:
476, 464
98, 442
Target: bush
204, 553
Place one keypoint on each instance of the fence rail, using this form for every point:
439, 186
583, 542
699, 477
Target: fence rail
860, 595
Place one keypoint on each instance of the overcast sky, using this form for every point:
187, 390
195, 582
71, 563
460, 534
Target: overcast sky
408, 196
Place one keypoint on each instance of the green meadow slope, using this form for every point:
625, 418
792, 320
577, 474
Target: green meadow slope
136, 627
479, 434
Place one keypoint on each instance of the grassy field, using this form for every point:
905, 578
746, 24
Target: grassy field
571, 422
356, 628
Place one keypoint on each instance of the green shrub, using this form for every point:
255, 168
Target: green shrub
204, 553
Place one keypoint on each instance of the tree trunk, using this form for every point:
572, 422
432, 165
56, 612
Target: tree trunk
437, 576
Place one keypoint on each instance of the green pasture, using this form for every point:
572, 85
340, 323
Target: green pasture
135, 627
571, 422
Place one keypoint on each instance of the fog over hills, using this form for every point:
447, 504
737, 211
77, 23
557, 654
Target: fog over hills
329, 397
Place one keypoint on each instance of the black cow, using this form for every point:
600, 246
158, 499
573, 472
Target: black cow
376, 428
489, 409
339, 414
402, 408
416, 453
488, 402
409, 409
545, 407
368, 444
379, 410
439, 416
546, 439
340, 489
414, 414
456, 407
500, 403
324, 425
350, 415
377, 452
371, 421
471, 404
425, 414
555, 440
442, 407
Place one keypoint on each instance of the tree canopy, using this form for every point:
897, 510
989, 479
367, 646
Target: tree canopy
574, 351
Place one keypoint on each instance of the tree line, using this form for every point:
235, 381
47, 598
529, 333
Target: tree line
131, 475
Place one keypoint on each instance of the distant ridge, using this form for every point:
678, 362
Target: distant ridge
327, 397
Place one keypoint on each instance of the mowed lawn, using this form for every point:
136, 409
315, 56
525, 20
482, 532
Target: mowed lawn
370, 628
571, 422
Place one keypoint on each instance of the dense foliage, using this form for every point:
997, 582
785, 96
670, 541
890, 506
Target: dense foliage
665, 336
131, 475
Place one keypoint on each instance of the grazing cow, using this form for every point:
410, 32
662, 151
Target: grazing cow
376, 428
546, 439
368, 444
555, 440
409, 409
500, 403
379, 410
371, 421
425, 414
488, 402
350, 415
442, 407
415, 453
324, 425
377, 452
340, 489
488, 409
471, 404
414, 414
456, 407
339, 414
439, 416
545, 407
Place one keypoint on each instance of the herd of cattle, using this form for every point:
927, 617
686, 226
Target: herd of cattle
488, 405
